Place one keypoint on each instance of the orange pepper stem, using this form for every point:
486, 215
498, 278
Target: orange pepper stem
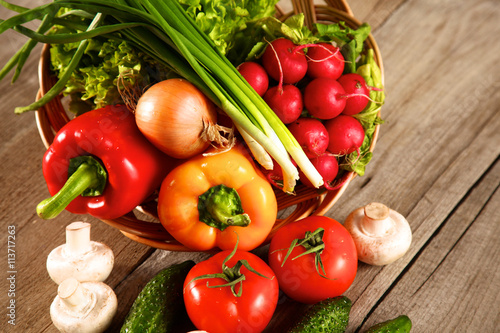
220, 207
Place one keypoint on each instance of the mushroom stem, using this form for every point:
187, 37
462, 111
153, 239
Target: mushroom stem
78, 238
75, 296
80, 257
376, 221
83, 307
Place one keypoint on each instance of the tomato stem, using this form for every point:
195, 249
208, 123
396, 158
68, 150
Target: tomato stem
232, 275
313, 243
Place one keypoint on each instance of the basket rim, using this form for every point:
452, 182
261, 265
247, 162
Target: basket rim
314, 202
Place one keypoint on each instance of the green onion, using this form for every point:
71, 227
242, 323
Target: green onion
161, 29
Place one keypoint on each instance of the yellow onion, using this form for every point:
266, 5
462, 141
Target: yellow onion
178, 118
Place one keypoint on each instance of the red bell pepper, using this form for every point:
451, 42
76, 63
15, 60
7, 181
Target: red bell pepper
100, 164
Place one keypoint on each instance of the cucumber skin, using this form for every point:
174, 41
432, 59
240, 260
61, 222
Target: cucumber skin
160, 303
328, 316
401, 324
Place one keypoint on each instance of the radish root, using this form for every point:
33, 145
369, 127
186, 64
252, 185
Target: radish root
280, 83
360, 95
335, 185
332, 54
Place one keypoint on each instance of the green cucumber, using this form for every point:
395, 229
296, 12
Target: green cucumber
401, 324
160, 303
330, 315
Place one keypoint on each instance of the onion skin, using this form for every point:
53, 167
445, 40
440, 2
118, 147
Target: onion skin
175, 116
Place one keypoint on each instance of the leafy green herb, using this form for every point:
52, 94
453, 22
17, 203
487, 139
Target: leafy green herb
222, 20
369, 117
349, 40
107, 66
251, 42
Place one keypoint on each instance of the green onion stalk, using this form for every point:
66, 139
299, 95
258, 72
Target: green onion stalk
163, 30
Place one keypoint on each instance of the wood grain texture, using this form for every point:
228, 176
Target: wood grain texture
452, 285
436, 162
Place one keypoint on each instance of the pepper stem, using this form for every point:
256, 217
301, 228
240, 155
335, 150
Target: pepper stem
220, 207
88, 179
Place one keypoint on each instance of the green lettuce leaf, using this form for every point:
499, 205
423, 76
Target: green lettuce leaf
351, 41
222, 20
369, 117
251, 42
106, 66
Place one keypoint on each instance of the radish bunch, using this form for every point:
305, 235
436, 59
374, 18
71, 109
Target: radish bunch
306, 87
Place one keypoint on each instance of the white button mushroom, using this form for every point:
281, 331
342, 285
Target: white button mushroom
86, 307
381, 234
81, 258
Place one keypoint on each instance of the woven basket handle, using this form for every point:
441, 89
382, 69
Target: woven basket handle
340, 5
307, 8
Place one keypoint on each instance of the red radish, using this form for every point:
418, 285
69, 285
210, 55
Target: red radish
311, 134
324, 98
283, 63
357, 93
255, 75
346, 134
327, 167
325, 60
285, 102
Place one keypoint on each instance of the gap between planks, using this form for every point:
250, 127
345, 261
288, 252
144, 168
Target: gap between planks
448, 286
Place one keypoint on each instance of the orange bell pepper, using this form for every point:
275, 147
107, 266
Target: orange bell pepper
214, 200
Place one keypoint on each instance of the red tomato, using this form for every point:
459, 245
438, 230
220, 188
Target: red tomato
299, 277
218, 309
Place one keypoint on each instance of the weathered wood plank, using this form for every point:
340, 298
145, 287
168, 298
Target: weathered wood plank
425, 219
435, 105
35, 239
20, 153
454, 285
374, 12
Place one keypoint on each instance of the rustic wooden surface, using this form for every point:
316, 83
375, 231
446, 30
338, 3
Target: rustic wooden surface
436, 162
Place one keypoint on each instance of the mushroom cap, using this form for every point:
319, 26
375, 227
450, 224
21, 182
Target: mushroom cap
94, 265
381, 236
91, 320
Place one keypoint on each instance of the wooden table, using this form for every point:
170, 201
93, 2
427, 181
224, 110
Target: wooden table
436, 162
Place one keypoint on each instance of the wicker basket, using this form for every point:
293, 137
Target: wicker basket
142, 225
